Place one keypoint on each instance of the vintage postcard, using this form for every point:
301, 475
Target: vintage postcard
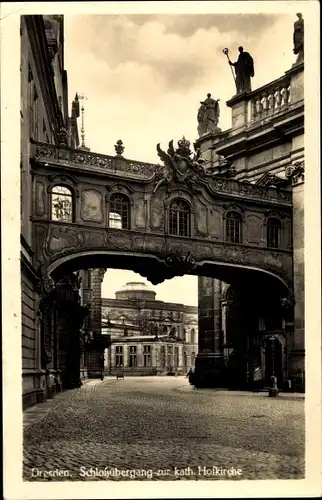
161, 249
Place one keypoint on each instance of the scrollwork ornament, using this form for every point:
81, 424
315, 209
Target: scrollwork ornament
295, 172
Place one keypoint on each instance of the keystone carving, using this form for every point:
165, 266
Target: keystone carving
181, 264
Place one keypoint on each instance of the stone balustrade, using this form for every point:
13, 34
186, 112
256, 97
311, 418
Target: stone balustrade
270, 99
77, 158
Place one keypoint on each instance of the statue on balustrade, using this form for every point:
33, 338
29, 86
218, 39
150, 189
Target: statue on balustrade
208, 115
244, 70
298, 39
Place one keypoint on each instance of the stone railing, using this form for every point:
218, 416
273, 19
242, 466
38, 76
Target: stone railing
110, 164
245, 190
270, 99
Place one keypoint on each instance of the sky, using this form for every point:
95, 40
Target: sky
143, 77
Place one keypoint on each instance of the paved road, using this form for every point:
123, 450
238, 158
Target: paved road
161, 428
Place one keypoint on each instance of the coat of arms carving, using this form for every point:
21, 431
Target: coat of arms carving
180, 166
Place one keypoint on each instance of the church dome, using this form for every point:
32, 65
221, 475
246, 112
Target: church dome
135, 290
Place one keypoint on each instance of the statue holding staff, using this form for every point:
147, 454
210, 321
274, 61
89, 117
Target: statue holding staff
244, 69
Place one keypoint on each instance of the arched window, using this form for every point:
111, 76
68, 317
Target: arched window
273, 232
119, 214
179, 218
193, 359
233, 227
165, 330
61, 204
193, 336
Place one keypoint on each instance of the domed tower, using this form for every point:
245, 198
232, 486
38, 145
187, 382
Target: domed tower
135, 290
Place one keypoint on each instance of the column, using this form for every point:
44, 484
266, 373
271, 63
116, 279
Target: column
125, 356
180, 366
106, 360
209, 369
154, 356
140, 355
94, 359
112, 358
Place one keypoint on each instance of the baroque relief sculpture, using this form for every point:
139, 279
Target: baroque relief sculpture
179, 166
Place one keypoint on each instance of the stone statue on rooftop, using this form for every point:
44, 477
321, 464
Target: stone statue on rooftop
208, 115
298, 39
244, 70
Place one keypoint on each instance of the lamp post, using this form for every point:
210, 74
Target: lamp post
273, 391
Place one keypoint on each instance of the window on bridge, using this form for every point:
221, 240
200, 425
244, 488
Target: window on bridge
119, 213
233, 227
273, 232
179, 218
62, 204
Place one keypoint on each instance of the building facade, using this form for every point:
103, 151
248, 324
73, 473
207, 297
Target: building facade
148, 336
249, 325
52, 357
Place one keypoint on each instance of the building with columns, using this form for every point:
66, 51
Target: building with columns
148, 336
242, 325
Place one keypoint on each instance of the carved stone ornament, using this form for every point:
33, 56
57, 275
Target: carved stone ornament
287, 302
179, 166
63, 139
47, 284
119, 147
181, 264
295, 172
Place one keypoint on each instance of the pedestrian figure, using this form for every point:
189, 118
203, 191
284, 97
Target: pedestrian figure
257, 377
102, 366
190, 375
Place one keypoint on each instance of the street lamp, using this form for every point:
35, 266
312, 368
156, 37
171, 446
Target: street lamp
273, 391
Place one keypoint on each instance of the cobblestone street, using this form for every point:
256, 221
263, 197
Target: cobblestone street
162, 423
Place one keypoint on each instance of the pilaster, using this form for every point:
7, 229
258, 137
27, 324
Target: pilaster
209, 369
295, 173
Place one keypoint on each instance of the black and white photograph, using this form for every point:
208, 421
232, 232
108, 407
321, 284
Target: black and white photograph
162, 249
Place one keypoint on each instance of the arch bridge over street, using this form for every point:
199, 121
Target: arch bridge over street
98, 211
161, 221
